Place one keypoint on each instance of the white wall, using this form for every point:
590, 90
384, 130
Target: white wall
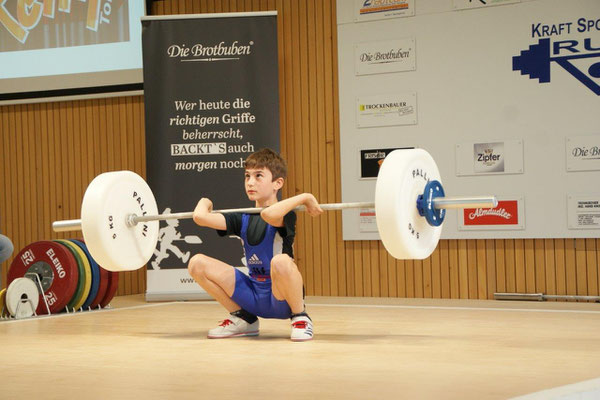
467, 92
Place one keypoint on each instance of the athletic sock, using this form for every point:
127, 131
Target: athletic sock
301, 314
245, 315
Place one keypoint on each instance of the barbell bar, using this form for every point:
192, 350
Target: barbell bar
120, 220
542, 297
438, 203
445, 202
133, 219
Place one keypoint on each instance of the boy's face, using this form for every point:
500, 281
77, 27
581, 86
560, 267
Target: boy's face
259, 184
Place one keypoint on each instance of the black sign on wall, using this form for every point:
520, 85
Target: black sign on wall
211, 98
371, 160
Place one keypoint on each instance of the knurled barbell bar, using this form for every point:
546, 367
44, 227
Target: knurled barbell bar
542, 297
120, 220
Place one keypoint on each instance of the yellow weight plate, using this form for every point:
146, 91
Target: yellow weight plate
2, 303
87, 284
86, 276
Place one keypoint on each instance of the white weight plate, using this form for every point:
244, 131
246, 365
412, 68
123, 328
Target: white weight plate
19, 291
109, 199
402, 178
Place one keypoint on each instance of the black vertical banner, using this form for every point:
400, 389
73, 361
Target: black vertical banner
211, 98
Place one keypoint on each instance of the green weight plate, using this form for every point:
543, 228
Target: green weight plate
81, 281
87, 275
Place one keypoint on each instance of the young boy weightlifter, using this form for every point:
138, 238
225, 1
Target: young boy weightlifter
274, 288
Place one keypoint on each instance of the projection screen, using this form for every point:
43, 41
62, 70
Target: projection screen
57, 49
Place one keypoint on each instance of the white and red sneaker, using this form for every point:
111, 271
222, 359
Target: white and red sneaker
302, 328
234, 327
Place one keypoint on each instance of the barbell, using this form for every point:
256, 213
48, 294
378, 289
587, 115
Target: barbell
542, 297
120, 220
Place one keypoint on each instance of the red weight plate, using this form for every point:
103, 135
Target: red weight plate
55, 266
113, 285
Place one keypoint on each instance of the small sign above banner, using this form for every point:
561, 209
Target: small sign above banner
467, 4
368, 10
386, 110
371, 160
384, 57
583, 153
583, 211
489, 158
367, 220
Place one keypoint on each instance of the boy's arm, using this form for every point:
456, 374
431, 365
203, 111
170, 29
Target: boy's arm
274, 214
204, 217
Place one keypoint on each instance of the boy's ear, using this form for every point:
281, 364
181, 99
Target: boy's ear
278, 183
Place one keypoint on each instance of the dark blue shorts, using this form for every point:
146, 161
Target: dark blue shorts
257, 298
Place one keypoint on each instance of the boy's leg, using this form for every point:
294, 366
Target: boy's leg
286, 282
216, 277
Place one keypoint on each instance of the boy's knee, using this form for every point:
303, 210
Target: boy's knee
197, 266
282, 265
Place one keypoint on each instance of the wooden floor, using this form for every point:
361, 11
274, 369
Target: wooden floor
370, 349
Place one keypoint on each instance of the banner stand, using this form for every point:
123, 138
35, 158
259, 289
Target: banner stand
211, 98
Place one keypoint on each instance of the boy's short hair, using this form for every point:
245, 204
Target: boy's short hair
267, 158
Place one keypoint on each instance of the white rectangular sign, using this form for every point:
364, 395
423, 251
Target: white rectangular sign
386, 110
583, 153
583, 211
385, 56
489, 158
368, 10
173, 284
508, 215
464, 4
367, 220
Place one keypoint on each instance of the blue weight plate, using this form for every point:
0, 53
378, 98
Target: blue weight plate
95, 274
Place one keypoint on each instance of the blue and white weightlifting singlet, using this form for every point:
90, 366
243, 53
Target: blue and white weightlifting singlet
254, 293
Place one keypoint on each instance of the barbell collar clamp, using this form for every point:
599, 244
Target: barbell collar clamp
465, 202
66, 225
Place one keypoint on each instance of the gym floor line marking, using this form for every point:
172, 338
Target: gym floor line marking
431, 307
90, 312
93, 312
458, 308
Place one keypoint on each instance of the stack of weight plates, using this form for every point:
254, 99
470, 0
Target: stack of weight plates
69, 277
